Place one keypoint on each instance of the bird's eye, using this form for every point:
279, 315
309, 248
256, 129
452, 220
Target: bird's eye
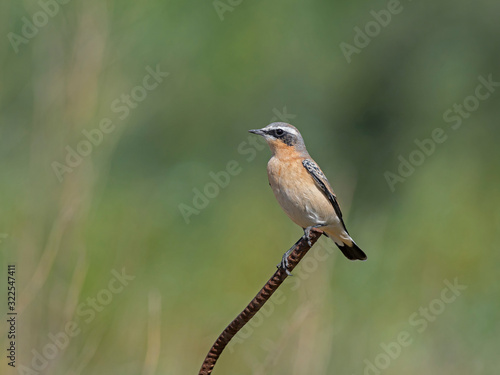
279, 132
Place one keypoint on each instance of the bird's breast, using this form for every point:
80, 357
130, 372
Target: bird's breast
297, 193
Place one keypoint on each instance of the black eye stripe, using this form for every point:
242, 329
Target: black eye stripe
284, 136
276, 132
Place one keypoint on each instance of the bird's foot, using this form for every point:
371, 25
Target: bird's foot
284, 262
307, 233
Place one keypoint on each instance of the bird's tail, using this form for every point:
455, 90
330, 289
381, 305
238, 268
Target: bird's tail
351, 251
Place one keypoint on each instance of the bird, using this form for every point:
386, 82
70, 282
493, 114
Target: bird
302, 189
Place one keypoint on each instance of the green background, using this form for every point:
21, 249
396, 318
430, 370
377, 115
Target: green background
119, 207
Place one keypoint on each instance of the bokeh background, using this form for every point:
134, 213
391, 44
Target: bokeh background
233, 69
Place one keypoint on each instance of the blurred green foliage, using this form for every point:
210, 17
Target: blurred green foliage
119, 207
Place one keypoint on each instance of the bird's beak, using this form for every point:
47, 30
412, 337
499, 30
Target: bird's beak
257, 131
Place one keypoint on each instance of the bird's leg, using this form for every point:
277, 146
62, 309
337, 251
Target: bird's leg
307, 232
284, 259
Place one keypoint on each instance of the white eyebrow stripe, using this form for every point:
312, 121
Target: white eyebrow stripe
291, 130
284, 128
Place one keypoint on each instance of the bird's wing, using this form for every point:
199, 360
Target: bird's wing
323, 184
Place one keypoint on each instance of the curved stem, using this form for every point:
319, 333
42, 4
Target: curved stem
299, 250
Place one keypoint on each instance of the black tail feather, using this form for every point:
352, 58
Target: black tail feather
352, 252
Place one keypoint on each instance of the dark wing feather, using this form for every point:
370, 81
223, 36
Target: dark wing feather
324, 186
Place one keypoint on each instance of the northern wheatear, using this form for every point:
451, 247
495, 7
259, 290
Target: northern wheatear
302, 189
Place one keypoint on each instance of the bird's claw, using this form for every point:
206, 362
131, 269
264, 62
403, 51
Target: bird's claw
307, 233
308, 238
284, 260
284, 264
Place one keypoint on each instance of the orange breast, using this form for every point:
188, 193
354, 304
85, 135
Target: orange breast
297, 192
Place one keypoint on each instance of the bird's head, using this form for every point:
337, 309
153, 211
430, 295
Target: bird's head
282, 138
